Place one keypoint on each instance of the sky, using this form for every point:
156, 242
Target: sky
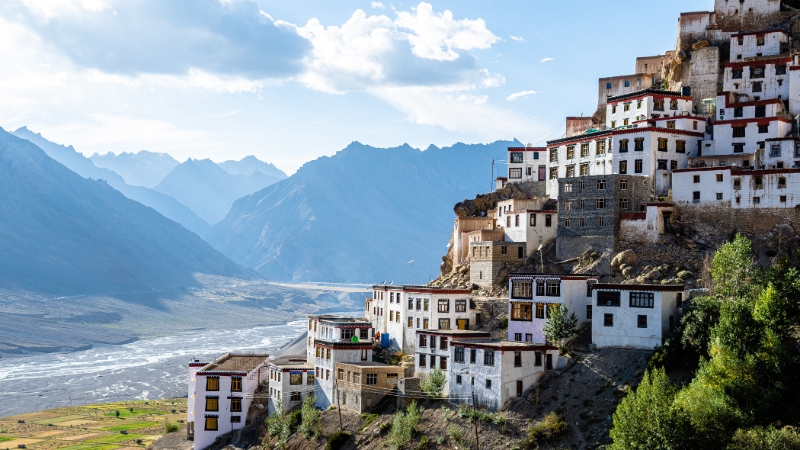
289, 82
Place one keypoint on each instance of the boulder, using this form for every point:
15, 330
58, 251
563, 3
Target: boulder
626, 257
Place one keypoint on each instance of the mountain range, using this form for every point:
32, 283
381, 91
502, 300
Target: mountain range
210, 190
137, 169
359, 216
63, 233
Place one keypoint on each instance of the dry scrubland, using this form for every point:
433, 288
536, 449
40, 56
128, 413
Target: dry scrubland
95, 427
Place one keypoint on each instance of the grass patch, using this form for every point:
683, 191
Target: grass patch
5, 439
114, 439
125, 413
368, 419
337, 440
131, 426
90, 447
171, 427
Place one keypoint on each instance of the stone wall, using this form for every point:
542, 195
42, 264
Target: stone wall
568, 247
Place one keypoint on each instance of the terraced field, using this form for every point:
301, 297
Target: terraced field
109, 426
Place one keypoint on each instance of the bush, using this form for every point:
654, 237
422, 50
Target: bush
423, 443
311, 425
552, 426
295, 419
503, 323
171, 427
776, 439
433, 382
337, 440
404, 425
368, 419
456, 436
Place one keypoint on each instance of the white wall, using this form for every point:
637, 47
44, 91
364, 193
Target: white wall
750, 48
324, 388
528, 168
772, 84
625, 331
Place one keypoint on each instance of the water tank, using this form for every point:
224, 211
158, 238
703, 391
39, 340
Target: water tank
384, 340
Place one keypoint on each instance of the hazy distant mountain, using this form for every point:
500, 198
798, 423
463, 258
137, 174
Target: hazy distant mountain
138, 169
358, 216
209, 190
250, 165
166, 205
63, 233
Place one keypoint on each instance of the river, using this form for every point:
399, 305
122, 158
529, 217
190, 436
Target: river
147, 369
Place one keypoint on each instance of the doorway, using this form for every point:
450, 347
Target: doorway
549, 362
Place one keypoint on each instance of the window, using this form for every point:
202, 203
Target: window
425, 305
444, 324
623, 167
570, 151
623, 203
521, 289
236, 419
533, 219
391, 316
348, 333
309, 378
623, 145
521, 311
584, 150
775, 151
554, 173
757, 72
600, 203
759, 182
756, 200
671, 124
600, 147
588, 312
673, 105
696, 196
566, 222
738, 148
658, 104
372, 379
759, 39
236, 384
364, 355
623, 185
212, 403
458, 354
442, 343
719, 195
608, 85
296, 378
584, 169
443, 363
662, 144
763, 128
461, 306
662, 164
517, 359
423, 340
473, 355
601, 184
425, 323
540, 310
488, 357
211, 423
548, 220
613, 124
566, 187
641, 299
410, 322
756, 86
761, 111
567, 205
637, 166
537, 361
641, 321
444, 305
781, 182
515, 172
236, 404
516, 157
458, 379
780, 69
327, 353
601, 221
608, 320
553, 155
212, 383
638, 144
422, 360
783, 199
737, 73
680, 146
554, 288
608, 298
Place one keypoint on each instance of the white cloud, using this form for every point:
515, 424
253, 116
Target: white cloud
518, 38
547, 60
439, 36
377, 5
47, 9
520, 94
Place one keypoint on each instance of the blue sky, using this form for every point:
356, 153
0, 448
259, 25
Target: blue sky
292, 81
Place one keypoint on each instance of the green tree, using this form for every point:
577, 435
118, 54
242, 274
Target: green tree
560, 326
645, 419
404, 425
311, 426
766, 438
433, 382
278, 424
734, 268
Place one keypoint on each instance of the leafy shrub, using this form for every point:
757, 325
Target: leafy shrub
503, 323
552, 426
433, 382
455, 434
447, 413
311, 425
171, 427
404, 425
337, 440
368, 419
295, 419
423, 443
778, 439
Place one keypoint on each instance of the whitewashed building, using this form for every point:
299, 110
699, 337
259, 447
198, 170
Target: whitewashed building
526, 164
433, 349
291, 380
737, 189
194, 366
334, 339
533, 295
531, 221
490, 371
223, 392
634, 315
400, 311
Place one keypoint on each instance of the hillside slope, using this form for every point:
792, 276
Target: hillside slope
64, 233
358, 216
208, 189
164, 204
137, 169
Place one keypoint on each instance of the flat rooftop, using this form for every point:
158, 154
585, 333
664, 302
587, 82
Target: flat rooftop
290, 361
500, 343
475, 333
368, 364
236, 363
